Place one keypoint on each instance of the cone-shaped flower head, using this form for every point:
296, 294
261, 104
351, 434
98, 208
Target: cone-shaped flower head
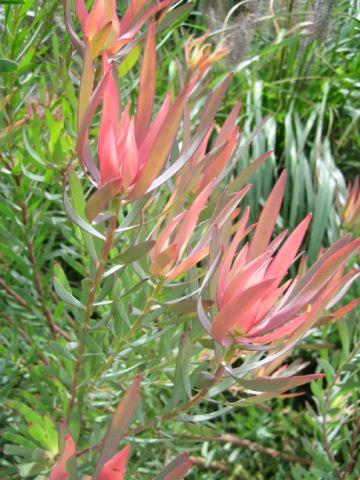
255, 304
105, 31
132, 150
351, 210
198, 54
166, 256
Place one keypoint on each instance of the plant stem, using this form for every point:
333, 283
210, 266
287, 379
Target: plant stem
353, 446
134, 328
36, 276
187, 406
253, 445
89, 305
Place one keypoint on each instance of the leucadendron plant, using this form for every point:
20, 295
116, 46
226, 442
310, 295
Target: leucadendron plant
170, 258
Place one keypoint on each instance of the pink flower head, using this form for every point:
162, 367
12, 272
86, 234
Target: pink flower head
351, 210
198, 54
255, 304
132, 150
105, 31
173, 239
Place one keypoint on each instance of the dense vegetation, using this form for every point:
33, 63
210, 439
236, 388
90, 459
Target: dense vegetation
295, 65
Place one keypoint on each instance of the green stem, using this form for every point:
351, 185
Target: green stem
185, 407
89, 306
134, 328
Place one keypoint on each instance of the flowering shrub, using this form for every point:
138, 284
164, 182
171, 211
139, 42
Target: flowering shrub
258, 307
151, 209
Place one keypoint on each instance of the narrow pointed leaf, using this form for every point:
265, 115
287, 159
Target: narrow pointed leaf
248, 172
102, 197
180, 471
210, 273
173, 465
309, 274
205, 416
212, 104
7, 66
81, 12
161, 146
189, 221
169, 19
74, 217
164, 260
83, 145
184, 358
60, 275
267, 220
130, 60
100, 39
71, 464
118, 425
85, 90
188, 263
134, 253
66, 296
288, 251
146, 87
274, 385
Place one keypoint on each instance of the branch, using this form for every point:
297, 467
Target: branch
255, 446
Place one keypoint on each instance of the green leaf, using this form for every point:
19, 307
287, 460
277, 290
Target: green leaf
66, 296
204, 417
19, 440
78, 201
135, 252
38, 433
58, 350
77, 194
185, 355
176, 469
91, 344
201, 430
130, 60
174, 15
186, 307
32, 469
30, 415
182, 386
74, 217
17, 450
102, 197
7, 66
60, 275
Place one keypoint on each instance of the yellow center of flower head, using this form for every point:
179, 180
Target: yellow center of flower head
236, 332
